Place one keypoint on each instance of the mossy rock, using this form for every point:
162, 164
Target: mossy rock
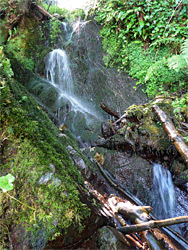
46, 180
42, 89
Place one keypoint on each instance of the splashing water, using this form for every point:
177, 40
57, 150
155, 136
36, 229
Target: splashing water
163, 193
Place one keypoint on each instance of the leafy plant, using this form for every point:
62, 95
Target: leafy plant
6, 182
179, 62
157, 29
5, 65
55, 30
17, 46
178, 104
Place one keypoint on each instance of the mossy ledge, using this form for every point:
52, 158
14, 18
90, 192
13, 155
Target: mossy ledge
46, 182
145, 130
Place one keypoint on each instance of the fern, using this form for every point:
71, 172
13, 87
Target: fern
177, 62
180, 61
184, 50
165, 41
154, 67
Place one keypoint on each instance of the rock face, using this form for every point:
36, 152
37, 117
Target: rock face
92, 83
95, 81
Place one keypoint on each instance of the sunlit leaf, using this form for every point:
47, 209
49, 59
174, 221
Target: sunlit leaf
6, 182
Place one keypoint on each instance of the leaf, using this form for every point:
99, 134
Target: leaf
6, 182
141, 23
177, 62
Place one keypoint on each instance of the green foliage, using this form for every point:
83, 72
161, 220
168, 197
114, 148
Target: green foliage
5, 66
145, 20
17, 46
178, 62
56, 10
6, 182
178, 104
77, 14
151, 69
55, 30
157, 29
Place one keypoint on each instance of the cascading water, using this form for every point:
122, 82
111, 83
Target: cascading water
163, 193
58, 71
60, 77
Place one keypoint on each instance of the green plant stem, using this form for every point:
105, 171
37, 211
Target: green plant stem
20, 202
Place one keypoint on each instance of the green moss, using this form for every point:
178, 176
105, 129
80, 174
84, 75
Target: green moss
46, 178
145, 128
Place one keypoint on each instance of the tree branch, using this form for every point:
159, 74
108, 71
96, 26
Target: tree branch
152, 224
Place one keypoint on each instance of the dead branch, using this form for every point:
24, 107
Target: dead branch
120, 119
116, 186
108, 110
152, 224
172, 132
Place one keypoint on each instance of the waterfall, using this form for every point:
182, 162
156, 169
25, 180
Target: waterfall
163, 193
59, 75
58, 71
65, 26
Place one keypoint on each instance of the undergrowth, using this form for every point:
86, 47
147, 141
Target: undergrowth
140, 37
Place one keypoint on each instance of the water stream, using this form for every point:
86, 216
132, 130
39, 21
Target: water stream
163, 193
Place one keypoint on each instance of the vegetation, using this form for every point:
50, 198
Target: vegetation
141, 36
31, 151
37, 158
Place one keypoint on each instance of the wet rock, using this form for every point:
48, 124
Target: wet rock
107, 240
77, 159
177, 167
182, 178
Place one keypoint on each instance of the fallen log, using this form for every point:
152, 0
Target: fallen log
43, 13
152, 224
172, 132
108, 110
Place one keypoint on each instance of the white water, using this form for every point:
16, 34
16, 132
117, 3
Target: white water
65, 26
58, 71
76, 27
60, 77
163, 193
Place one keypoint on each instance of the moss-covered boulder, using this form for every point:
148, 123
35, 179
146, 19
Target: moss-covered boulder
45, 201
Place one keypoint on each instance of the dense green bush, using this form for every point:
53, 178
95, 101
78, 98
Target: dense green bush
157, 29
145, 20
151, 69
